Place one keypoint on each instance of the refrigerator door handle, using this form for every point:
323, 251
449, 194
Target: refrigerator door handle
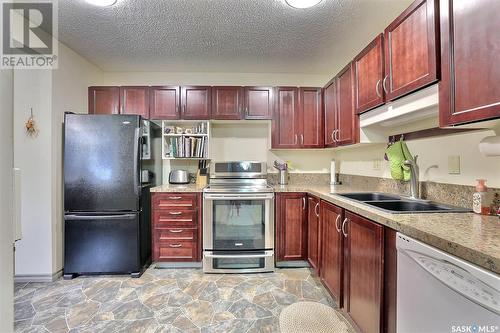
73, 217
137, 134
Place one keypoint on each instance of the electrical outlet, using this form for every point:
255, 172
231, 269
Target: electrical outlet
454, 165
376, 164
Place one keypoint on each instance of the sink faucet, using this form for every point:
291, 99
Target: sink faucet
414, 188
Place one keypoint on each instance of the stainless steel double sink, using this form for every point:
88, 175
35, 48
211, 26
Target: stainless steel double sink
396, 204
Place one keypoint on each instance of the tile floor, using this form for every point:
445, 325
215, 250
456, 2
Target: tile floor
164, 300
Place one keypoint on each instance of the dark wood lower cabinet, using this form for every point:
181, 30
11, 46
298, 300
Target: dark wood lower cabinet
291, 226
358, 266
331, 269
313, 232
176, 226
364, 272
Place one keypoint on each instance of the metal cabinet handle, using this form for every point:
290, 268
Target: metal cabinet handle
337, 225
175, 213
175, 245
302, 138
316, 210
175, 198
295, 139
303, 203
176, 231
379, 94
337, 135
383, 83
246, 110
343, 227
332, 136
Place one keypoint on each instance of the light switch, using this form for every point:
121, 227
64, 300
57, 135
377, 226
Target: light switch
454, 165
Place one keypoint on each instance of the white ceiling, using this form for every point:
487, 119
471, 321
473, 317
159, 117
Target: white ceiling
261, 36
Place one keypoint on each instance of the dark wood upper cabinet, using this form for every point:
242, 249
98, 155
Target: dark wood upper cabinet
196, 102
313, 232
348, 121
411, 49
227, 103
364, 265
469, 90
104, 100
291, 226
330, 109
259, 102
331, 267
286, 119
164, 102
369, 76
134, 100
311, 118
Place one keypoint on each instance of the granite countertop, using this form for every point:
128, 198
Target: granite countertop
177, 188
472, 237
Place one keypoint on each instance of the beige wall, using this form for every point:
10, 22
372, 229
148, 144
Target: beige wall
6, 187
50, 93
209, 78
433, 159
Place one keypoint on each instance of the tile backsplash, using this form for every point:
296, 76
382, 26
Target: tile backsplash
457, 195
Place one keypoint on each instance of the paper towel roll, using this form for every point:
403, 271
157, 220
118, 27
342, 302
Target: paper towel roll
333, 170
490, 146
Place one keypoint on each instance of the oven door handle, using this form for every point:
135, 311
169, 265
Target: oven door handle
239, 197
267, 254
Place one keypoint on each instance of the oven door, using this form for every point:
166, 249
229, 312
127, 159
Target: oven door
238, 222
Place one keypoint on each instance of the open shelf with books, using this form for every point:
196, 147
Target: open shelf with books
185, 140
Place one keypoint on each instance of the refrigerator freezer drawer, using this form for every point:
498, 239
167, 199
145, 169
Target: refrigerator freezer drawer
106, 243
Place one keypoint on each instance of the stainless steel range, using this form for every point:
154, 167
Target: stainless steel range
238, 219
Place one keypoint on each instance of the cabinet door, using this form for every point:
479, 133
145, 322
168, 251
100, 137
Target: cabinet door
165, 102
469, 90
330, 102
348, 124
291, 227
286, 122
369, 74
364, 272
135, 100
258, 103
104, 100
410, 49
311, 114
196, 102
331, 267
227, 103
313, 232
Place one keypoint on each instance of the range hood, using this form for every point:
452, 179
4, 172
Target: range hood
414, 112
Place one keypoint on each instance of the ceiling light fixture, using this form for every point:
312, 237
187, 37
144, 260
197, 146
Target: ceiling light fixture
302, 3
102, 3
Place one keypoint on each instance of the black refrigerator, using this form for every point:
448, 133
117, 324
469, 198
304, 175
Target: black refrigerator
107, 224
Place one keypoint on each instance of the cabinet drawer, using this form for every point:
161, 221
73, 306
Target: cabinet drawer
175, 250
174, 218
175, 233
175, 200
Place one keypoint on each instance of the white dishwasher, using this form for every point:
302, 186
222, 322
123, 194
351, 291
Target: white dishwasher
438, 293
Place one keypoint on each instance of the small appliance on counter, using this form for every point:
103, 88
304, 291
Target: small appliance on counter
178, 177
283, 172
